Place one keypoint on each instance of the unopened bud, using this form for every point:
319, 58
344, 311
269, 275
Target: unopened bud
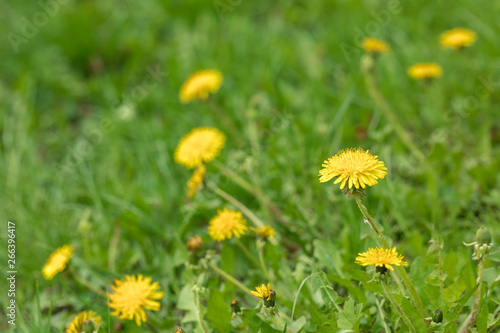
483, 236
236, 307
194, 244
179, 330
272, 299
437, 316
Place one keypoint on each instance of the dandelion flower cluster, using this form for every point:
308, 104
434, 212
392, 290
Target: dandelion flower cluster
353, 167
57, 261
425, 71
265, 232
201, 145
226, 224
380, 257
132, 295
457, 38
373, 45
200, 84
195, 182
85, 317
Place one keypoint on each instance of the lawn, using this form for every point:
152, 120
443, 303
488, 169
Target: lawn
91, 118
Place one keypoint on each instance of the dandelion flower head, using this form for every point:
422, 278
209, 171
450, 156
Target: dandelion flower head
195, 182
457, 38
226, 224
200, 84
265, 232
380, 257
263, 292
131, 296
57, 261
353, 167
425, 71
85, 317
201, 145
373, 45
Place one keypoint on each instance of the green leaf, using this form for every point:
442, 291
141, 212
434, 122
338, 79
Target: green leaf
454, 291
186, 303
320, 282
218, 312
482, 320
454, 312
415, 317
348, 318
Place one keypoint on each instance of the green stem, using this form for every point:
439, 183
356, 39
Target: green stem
260, 249
382, 316
391, 299
280, 324
248, 253
230, 278
198, 311
383, 241
471, 320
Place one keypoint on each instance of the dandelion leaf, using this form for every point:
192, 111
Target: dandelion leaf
348, 318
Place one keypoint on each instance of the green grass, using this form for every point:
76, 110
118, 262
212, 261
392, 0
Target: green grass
86, 156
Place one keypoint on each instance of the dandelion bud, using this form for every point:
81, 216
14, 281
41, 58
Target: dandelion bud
437, 316
236, 307
194, 243
272, 299
179, 330
483, 236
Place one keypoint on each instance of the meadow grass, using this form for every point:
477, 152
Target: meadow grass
90, 119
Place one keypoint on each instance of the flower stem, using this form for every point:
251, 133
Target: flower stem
198, 311
471, 319
391, 299
260, 249
229, 277
280, 324
383, 241
248, 254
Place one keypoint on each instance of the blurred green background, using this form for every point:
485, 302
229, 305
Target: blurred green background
90, 118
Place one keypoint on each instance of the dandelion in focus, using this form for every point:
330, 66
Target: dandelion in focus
226, 224
380, 257
457, 38
57, 261
425, 71
131, 296
374, 46
84, 318
353, 167
266, 293
201, 145
200, 84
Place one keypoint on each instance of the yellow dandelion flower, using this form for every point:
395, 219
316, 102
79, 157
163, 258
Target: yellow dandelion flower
57, 261
457, 38
373, 45
194, 243
265, 232
84, 318
226, 224
353, 167
196, 181
201, 145
200, 84
425, 71
380, 257
132, 295
263, 292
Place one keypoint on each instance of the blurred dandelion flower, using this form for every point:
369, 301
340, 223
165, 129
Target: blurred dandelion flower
194, 243
84, 318
226, 224
457, 38
353, 167
380, 257
201, 145
265, 232
132, 295
196, 181
200, 84
373, 45
57, 261
425, 71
